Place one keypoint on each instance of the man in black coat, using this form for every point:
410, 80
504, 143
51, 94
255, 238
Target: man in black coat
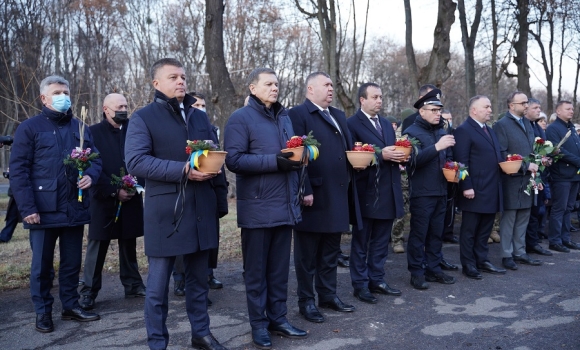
109, 137
565, 178
182, 205
481, 194
538, 209
326, 211
428, 192
379, 194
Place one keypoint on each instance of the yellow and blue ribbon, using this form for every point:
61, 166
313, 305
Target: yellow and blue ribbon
313, 152
80, 196
463, 174
194, 158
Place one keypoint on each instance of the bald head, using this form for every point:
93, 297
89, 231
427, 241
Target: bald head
115, 109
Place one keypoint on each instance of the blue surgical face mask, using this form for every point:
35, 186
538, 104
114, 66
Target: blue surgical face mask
61, 102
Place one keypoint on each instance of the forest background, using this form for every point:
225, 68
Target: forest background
105, 46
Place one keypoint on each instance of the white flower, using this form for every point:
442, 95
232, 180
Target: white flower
549, 143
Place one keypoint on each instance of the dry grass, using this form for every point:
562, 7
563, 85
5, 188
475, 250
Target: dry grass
15, 255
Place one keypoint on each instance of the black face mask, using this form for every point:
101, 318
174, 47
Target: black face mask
120, 117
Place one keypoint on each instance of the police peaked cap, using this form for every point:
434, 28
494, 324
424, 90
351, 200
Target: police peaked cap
433, 98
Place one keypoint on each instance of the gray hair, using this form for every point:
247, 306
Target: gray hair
52, 79
254, 76
314, 75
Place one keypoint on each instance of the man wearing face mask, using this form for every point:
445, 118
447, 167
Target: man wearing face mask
46, 192
109, 137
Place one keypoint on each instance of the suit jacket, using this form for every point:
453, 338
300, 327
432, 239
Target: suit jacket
514, 140
382, 199
328, 177
481, 154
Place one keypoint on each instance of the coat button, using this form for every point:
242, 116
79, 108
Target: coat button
40, 187
199, 218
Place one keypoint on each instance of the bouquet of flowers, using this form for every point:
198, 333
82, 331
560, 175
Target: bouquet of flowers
458, 167
81, 158
308, 141
197, 148
125, 182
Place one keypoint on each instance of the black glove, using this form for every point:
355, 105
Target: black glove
285, 164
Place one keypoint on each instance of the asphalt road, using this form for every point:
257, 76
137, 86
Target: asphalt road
532, 308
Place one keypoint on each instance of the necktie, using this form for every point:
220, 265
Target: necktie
486, 132
521, 120
377, 125
183, 113
332, 118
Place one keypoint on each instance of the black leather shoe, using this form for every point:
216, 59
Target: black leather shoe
439, 278
471, 272
87, 302
209, 302
383, 288
337, 305
538, 249
261, 338
418, 282
44, 323
78, 314
179, 288
509, 264
525, 259
139, 293
447, 266
574, 228
453, 240
214, 283
490, 268
209, 342
311, 313
364, 295
343, 261
559, 248
571, 245
287, 330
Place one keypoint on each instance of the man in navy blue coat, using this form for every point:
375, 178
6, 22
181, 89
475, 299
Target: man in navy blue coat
326, 199
267, 202
379, 194
183, 205
481, 192
46, 192
428, 192
565, 180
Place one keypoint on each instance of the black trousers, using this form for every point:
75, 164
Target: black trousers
475, 230
315, 262
266, 253
95, 260
425, 239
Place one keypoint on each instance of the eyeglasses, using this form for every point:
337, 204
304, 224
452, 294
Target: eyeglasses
433, 110
520, 103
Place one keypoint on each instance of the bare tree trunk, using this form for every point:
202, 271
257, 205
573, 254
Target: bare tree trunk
575, 94
223, 94
410, 51
468, 40
521, 47
436, 71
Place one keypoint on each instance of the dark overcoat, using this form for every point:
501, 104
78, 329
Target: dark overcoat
388, 202
111, 143
514, 140
266, 197
566, 168
40, 181
481, 155
181, 216
329, 177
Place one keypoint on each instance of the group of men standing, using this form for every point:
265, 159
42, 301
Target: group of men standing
277, 198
